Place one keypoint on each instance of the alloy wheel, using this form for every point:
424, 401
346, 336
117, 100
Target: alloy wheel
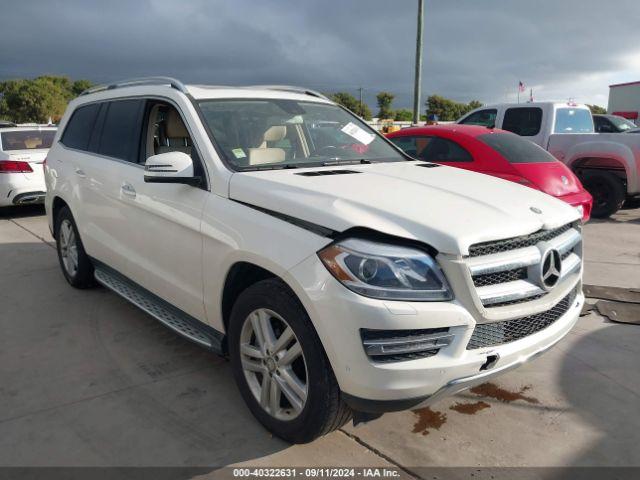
273, 364
68, 248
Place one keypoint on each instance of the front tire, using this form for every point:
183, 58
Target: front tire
74, 261
607, 190
280, 365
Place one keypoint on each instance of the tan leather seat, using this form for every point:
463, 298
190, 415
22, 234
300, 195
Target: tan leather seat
176, 133
265, 154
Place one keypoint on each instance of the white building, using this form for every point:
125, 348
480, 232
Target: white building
624, 100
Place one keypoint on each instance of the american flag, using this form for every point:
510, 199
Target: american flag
521, 87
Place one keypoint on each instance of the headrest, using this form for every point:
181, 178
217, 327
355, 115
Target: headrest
275, 133
261, 156
174, 126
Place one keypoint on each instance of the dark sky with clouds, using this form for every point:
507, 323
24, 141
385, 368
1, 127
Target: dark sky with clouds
474, 49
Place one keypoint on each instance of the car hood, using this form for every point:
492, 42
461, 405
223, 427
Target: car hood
447, 208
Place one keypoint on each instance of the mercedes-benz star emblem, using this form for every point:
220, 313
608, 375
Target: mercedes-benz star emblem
535, 210
550, 269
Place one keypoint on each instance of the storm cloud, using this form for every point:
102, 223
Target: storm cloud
473, 49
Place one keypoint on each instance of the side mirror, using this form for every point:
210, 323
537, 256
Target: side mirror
170, 167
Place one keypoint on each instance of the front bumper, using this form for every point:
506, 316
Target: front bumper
451, 388
338, 315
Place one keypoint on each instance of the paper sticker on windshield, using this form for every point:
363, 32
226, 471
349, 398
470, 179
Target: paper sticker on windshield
358, 133
239, 153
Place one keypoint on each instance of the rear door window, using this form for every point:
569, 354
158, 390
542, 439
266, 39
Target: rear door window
523, 121
484, 118
515, 149
27, 139
121, 130
79, 128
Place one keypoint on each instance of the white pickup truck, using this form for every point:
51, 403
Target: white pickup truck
606, 163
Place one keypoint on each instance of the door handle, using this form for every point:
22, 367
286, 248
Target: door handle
81, 173
128, 190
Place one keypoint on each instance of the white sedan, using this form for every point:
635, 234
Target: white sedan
23, 150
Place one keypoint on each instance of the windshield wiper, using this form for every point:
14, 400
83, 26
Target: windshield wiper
270, 167
361, 161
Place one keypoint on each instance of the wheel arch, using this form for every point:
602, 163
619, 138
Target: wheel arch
57, 204
240, 276
608, 156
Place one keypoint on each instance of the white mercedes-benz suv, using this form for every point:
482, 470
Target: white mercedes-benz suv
342, 278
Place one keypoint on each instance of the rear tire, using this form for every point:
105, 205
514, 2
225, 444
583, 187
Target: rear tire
317, 407
75, 263
607, 190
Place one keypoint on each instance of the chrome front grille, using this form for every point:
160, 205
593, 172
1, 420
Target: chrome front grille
500, 277
487, 248
519, 300
499, 333
507, 272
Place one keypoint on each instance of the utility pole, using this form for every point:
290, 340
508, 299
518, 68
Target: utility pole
418, 77
361, 113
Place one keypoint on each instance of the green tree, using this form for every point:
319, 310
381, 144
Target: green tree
349, 101
403, 115
447, 109
385, 99
597, 109
80, 86
39, 99
473, 104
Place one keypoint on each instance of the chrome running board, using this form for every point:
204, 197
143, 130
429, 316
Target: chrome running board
172, 317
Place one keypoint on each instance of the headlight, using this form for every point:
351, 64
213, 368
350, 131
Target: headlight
386, 271
580, 209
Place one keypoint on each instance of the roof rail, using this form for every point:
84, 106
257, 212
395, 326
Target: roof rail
131, 82
290, 88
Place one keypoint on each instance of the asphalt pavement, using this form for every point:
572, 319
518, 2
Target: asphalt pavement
87, 379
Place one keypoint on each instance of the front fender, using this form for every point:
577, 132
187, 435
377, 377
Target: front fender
233, 232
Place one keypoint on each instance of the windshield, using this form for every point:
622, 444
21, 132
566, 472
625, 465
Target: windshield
622, 124
516, 149
274, 133
573, 120
27, 139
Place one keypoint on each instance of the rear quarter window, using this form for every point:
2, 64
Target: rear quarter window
515, 149
78, 131
80, 126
